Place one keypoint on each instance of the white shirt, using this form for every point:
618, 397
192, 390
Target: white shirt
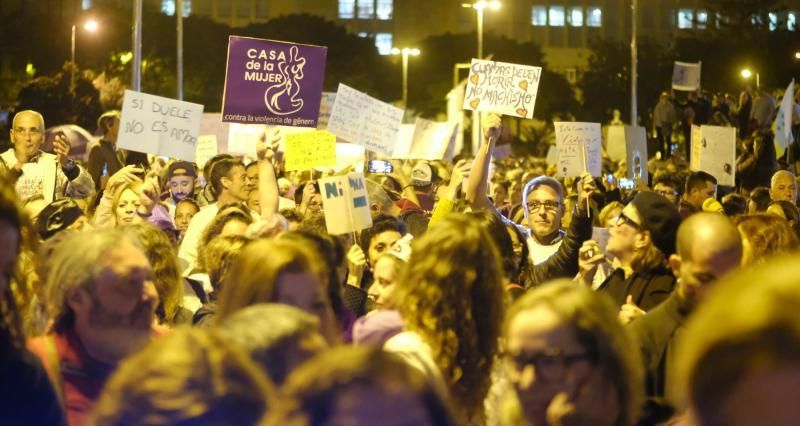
187, 254
538, 253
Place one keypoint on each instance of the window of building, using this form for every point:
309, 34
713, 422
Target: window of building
168, 7
702, 19
685, 19
201, 7
365, 9
243, 8
791, 21
363, 34
383, 41
556, 16
262, 10
86, 4
347, 9
539, 16
385, 9
576, 16
224, 9
594, 17
773, 21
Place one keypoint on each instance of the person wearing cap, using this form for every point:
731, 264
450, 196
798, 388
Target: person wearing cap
60, 215
416, 213
641, 239
180, 183
104, 157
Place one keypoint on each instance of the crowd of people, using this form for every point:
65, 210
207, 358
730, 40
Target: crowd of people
141, 291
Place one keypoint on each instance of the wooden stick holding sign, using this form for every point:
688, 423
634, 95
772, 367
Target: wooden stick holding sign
585, 170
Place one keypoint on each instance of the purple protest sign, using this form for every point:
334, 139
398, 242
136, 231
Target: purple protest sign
273, 82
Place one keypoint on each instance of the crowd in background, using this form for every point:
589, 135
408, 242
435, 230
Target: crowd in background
141, 291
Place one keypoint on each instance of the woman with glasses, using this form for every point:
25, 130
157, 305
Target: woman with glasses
570, 360
641, 240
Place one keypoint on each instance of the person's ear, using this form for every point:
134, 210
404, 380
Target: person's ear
226, 182
78, 299
374, 207
675, 263
643, 239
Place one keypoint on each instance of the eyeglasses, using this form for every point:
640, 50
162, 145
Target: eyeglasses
550, 364
667, 193
625, 220
535, 205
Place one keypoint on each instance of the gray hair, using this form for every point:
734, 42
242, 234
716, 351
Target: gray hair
28, 111
537, 182
779, 173
75, 264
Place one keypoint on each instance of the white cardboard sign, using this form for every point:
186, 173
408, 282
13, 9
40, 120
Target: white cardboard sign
361, 119
714, 152
502, 87
686, 76
579, 148
345, 203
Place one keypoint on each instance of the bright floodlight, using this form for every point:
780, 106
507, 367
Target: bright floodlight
746, 73
494, 5
90, 26
414, 52
797, 55
395, 51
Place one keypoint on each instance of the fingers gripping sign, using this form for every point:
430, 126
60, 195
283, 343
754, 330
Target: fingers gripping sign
629, 311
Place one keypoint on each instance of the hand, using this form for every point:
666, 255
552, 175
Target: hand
491, 125
125, 175
460, 172
629, 311
268, 143
560, 409
61, 147
308, 192
149, 195
589, 259
356, 264
586, 188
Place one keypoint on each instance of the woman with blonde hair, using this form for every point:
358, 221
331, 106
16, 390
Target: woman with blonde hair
452, 302
570, 360
278, 271
764, 235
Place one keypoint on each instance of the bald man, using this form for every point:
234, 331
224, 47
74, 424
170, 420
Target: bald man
40, 174
709, 246
783, 187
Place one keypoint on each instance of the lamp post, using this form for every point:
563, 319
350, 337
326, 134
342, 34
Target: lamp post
479, 7
406, 52
634, 63
90, 26
746, 74
136, 41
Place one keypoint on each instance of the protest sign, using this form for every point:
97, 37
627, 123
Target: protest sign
307, 150
242, 138
782, 127
501, 87
206, 149
273, 82
629, 143
361, 119
159, 126
325, 107
552, 155
431, 139
349, 155
455, 113
402, 143
212, 124
714, 152
345, 203
686, 76
579, 148
615, 143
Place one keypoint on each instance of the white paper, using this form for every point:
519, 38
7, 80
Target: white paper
615, 143
579, 148
402, 143
243, 138
206, 149
325, 106
159, 126
361, 119
345, 203
636, 152
714, 152
502, 87
431, 139
686, 76
455, 113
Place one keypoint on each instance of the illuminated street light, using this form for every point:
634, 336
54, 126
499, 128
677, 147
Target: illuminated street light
90, 26
746, 74
406, 52
797, 54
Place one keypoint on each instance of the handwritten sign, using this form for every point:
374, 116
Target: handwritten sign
310, 149
273, 82
242, 138
402, 143
159, 126
501, 87
432, 139
782, 127
579, 148
206, 149
325, 107
361, 119
636, 152
345, 203
714, 152
686, 76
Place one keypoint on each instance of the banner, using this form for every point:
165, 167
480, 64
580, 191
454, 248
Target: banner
159, 126
206, 149
714, 152
501, 87
579, 148
361, 119
307, 150
782, 127
273, 82
686, 76
345, 203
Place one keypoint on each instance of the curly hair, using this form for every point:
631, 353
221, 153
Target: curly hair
765, 235
453, 298
226, 213
189, 377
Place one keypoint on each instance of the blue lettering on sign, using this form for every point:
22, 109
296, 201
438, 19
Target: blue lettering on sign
360, 201
356, 184
333, 190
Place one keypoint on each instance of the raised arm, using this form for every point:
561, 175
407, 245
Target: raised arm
268, 192
478, 183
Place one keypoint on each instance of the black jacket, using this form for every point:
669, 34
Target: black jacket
648, 288
564, 263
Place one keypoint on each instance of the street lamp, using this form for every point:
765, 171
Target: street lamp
797, 55
90, 26
479, 7
405, 52
746, 74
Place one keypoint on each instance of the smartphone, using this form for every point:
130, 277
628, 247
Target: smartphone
379, 166
627, 183
610, 178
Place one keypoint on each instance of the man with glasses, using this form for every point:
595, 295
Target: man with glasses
668, 185
543, 201
38, 173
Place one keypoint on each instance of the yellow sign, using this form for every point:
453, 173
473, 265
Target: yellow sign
310, 149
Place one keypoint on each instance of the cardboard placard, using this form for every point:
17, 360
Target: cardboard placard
345, 203
159, 126
206, 149
273, 82
579, 148
714, 152
686, 76
310, 149
361, 119
501, 87
325, 107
